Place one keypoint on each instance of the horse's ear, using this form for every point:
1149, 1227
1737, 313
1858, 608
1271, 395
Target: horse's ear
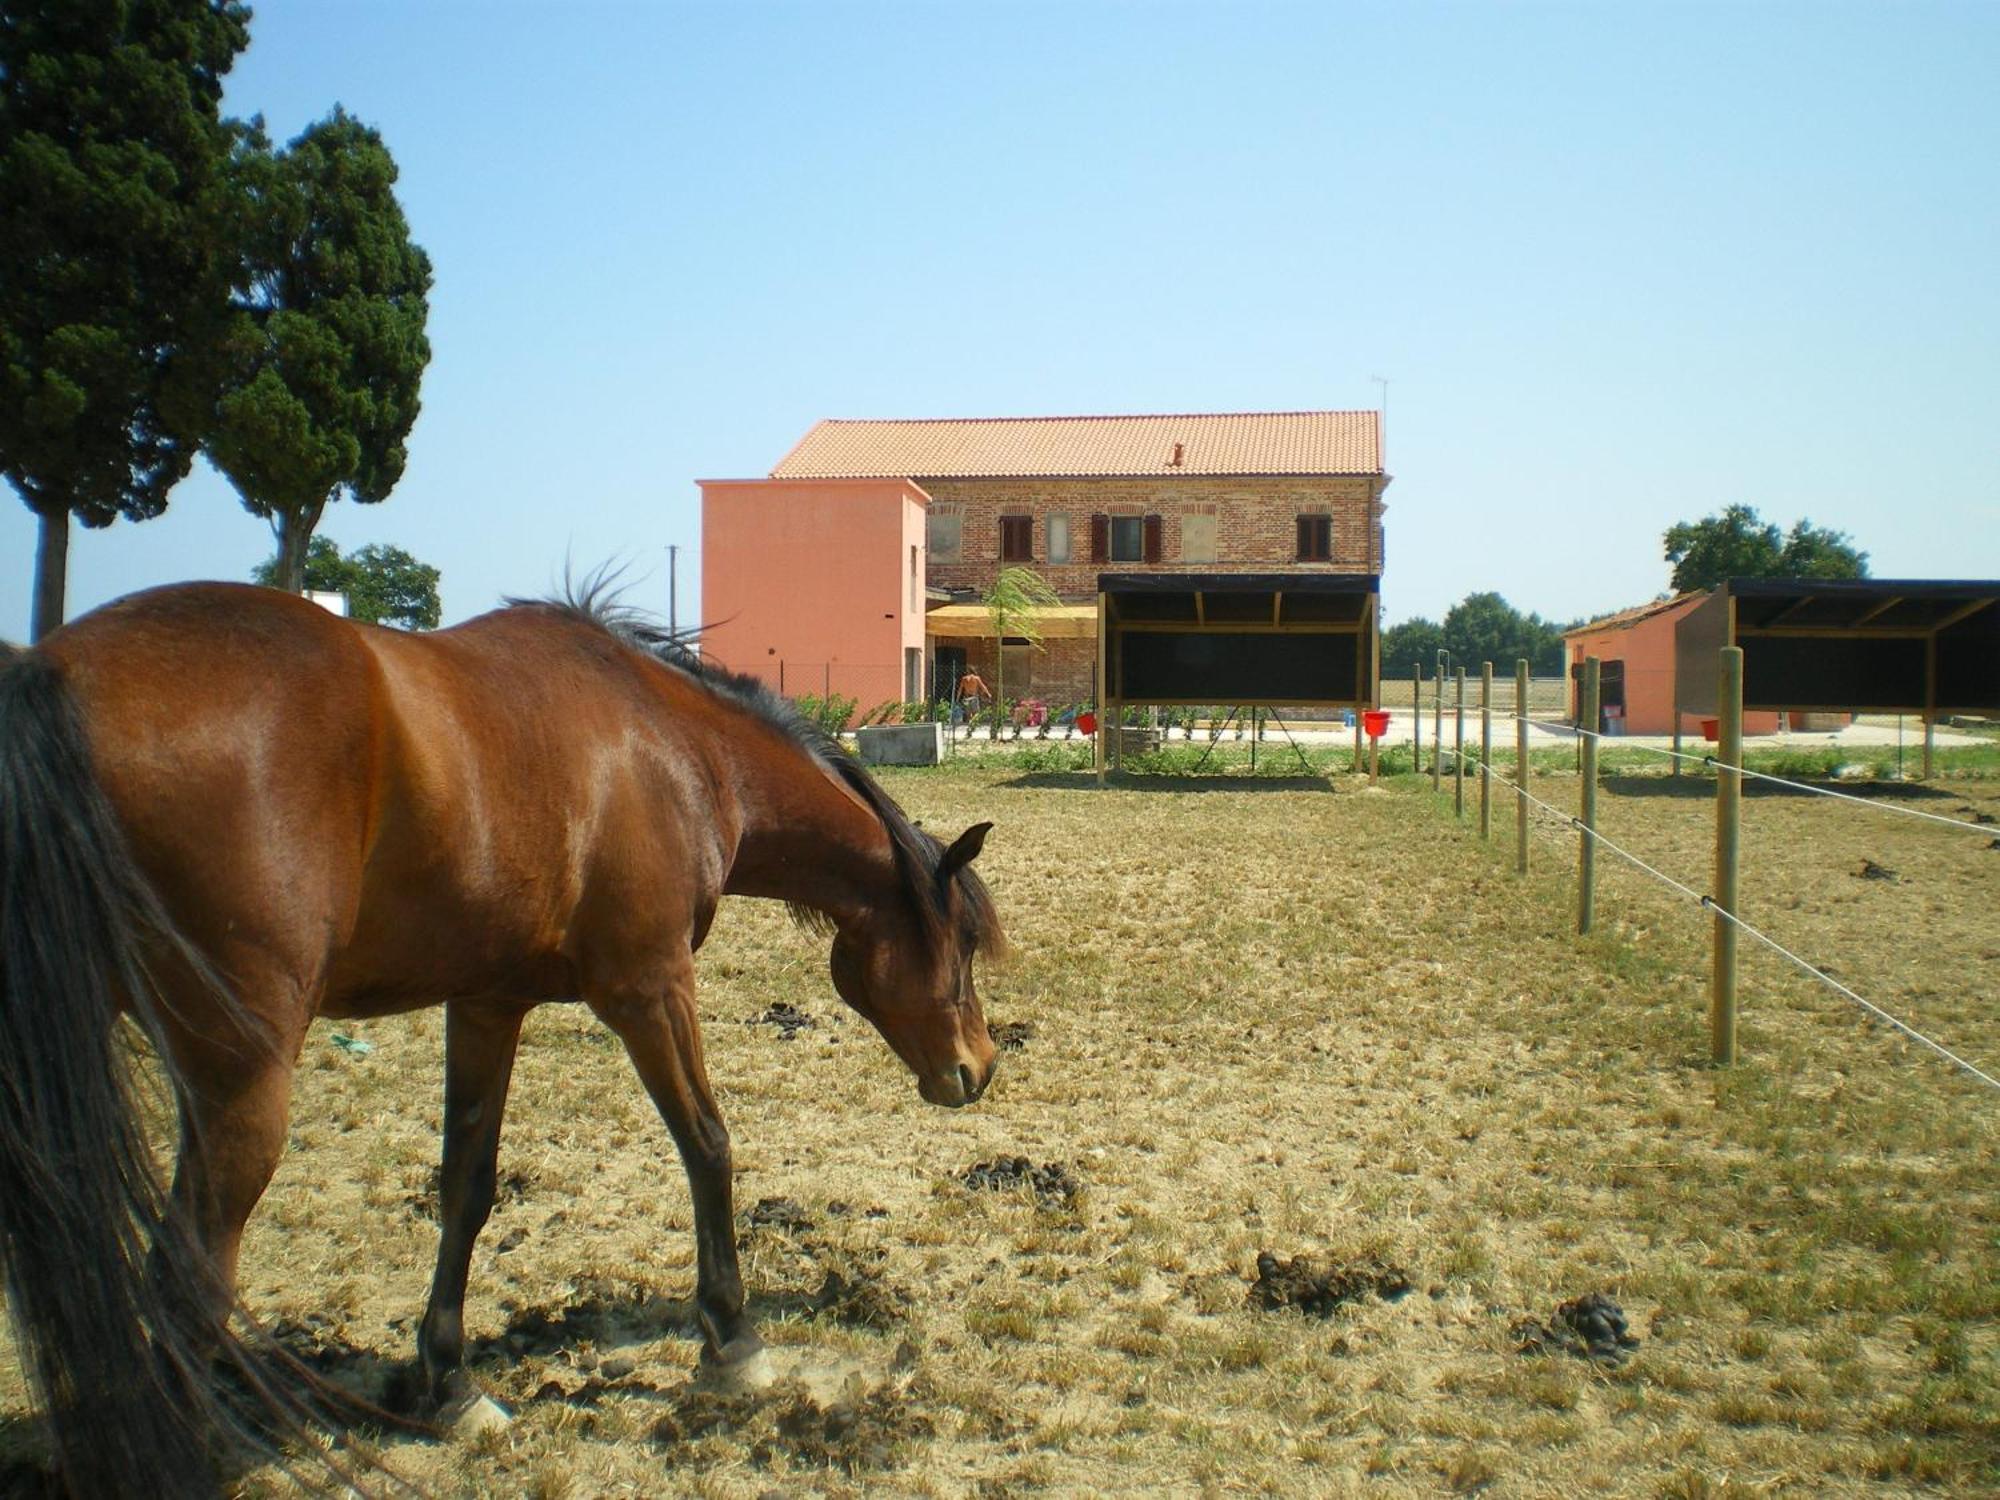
963, 851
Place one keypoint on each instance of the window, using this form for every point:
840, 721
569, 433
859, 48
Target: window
1128, 538
1198, 539
1017, 538
1315, 538
916, 584
1125, 538
1058, 539
943, 533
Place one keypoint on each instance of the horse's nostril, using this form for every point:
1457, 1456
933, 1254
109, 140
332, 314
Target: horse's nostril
968, 1081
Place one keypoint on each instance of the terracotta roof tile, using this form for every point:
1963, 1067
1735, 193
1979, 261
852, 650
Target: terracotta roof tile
1285, 442
1626, 618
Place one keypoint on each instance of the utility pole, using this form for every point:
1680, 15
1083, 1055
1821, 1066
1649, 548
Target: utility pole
673, 590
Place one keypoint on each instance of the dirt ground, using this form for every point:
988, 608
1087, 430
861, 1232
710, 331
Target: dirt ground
1324, 1158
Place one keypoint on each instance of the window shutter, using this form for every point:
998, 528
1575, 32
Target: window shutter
1100, 538
1305, 538
1153, 534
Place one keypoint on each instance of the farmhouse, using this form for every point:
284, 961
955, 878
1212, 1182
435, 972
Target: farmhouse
857, 565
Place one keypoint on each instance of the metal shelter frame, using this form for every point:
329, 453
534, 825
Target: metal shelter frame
1255, 640
1880, 645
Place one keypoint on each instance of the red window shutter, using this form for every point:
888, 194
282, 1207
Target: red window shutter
1154, 531
1017, 538
1100, 538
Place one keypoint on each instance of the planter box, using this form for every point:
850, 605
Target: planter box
1139, 741
900, 744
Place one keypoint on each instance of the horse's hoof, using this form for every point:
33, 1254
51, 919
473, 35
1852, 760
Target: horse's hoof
473, 1415
742, 1368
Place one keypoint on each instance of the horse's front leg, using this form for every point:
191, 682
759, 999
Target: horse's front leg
479, 1047
658, 1026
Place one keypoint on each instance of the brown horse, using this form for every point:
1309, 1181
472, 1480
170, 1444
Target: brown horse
225, 811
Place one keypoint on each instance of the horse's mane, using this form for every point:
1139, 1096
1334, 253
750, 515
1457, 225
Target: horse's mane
595, 602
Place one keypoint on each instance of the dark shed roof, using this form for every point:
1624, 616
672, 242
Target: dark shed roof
1895, 645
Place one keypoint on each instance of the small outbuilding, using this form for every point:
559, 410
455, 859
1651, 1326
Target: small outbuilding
1635, 649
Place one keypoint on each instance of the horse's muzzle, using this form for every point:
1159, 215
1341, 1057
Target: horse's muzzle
956, 1089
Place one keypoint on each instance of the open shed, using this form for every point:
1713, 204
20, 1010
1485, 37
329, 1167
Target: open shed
1272, 640
1873, 645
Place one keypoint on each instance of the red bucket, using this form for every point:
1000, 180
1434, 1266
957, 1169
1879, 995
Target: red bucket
1711, 729
1376, 722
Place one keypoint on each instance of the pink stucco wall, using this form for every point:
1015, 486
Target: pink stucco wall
1647, 649
806, 583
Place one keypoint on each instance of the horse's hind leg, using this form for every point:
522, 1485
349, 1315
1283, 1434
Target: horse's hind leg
657, 1024
232, 1139
479, 1047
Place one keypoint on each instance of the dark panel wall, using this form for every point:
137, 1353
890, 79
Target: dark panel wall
1969, 664
1832, 672
1210, 667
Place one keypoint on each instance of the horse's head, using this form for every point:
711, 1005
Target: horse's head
907, 967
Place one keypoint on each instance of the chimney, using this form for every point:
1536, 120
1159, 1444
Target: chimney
1175, 461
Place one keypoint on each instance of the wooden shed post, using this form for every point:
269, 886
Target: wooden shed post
1728, 835
1930, 698
1586, 855
1486, 749
1103, 718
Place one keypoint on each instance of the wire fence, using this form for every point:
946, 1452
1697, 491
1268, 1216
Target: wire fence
868, 684
1468, 757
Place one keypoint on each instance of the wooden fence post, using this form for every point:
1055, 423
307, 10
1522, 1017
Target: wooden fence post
1728, 836
1586, 863
1486, 749
1417, 724
1521, 765
1437, 732
1458, 758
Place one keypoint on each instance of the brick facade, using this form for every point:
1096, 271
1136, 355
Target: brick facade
1256, 525
1255, 530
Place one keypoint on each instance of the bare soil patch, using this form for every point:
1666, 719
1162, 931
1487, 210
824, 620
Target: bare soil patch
1265, 1022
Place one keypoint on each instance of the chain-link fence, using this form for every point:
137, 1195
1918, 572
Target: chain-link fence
1547, 696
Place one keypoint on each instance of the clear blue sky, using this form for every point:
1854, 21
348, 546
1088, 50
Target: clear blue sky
1621, 264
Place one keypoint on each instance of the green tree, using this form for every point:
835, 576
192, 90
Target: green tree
116, 240
1011, 603
1414, 640
1485, 627
1740, 544
327, 348
384, 585
1818, 552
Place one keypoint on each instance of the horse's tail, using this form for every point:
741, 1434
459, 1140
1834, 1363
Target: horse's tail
111, 1303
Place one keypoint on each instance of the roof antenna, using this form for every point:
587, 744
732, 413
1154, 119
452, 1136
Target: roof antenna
1383, 381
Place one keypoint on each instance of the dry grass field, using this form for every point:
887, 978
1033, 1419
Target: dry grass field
1278, 1018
